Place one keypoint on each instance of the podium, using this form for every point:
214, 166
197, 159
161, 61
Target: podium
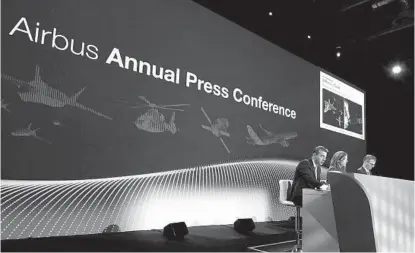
319, 226
361, 213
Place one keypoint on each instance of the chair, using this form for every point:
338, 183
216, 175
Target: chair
285, 189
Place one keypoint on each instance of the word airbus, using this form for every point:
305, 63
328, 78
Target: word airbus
57, 41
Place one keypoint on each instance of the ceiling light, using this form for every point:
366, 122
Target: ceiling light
396, 69
270, 13
308, 36
338, 54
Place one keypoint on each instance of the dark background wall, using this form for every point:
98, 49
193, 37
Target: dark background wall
176, 34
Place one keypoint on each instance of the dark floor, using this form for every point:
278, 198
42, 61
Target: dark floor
203, 238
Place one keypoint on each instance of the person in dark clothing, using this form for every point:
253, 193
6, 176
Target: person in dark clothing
369, 162
307, 175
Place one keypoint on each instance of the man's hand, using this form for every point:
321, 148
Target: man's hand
324, 187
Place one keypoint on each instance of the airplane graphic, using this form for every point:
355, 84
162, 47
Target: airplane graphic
41, 93
329, 106
270, 138
218, 128
28, 132
4, 106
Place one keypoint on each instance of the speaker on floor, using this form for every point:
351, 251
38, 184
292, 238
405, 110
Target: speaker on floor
175, 231
113, 228
244, 226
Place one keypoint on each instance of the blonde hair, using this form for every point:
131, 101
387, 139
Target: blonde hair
335, 161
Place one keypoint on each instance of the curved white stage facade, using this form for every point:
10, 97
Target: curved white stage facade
208, 195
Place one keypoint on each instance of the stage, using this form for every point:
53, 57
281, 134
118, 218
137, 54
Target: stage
201, 238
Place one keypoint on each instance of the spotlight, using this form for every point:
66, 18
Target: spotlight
270, 13
338, 54
396, 69
308, 36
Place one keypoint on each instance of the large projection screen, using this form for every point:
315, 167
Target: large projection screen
113, 115
342, 107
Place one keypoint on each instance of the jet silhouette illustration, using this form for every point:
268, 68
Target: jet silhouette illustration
4, 106
270, 138
41, 93
329, 106
28, 132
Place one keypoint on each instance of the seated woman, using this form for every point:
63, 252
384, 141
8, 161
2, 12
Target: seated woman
338, 162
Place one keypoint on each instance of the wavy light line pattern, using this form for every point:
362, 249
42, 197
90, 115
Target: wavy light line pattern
208, 195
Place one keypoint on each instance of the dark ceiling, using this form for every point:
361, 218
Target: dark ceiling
371, 35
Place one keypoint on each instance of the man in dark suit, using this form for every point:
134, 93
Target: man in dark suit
369, 162
307, 175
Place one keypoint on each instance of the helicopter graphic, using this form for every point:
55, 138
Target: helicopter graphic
41, 93
218, 128
154, 121
152, 105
